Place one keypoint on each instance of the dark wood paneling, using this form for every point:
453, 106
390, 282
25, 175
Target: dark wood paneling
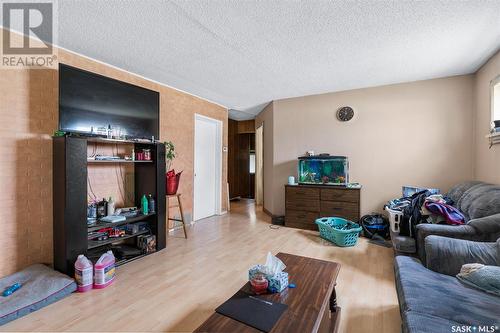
243, 176
241, 182
307, 304
246, 126
232, 165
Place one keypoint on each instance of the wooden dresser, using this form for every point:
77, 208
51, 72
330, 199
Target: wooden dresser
305, 203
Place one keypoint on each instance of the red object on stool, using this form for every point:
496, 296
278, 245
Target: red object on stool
172, 182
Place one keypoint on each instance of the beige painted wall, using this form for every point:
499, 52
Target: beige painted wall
486, 160
416, 133
29, 116
266, 118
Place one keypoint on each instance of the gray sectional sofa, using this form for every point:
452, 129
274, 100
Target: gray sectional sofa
480, 204
432, 299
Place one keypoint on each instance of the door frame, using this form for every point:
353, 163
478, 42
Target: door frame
218, 162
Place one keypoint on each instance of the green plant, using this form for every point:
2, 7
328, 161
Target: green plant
169, 153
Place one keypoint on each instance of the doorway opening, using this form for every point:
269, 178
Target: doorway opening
242, 161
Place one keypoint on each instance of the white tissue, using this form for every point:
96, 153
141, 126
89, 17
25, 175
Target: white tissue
273, 265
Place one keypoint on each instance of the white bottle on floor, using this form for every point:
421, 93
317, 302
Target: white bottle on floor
84, 273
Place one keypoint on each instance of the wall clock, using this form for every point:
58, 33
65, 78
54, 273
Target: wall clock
345, 113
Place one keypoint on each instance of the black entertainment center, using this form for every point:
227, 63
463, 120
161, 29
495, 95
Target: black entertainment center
89, 101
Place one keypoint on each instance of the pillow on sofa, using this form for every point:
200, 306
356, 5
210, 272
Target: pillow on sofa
480, 201
486, 278
457, 191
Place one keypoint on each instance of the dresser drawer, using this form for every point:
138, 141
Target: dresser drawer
335, 194
347, 210
298, 225
296, 193
305, 205
297, 216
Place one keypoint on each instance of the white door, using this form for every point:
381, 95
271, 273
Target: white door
259, 165
207, 164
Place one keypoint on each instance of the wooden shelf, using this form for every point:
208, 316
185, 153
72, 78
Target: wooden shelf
116, 161
93, 244
134, 219
124, 261
116, 141
70, 163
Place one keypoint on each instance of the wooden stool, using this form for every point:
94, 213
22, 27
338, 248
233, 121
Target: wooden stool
179, 204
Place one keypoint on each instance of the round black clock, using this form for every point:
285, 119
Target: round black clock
345, 113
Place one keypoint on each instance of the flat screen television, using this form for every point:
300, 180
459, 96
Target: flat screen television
89, 103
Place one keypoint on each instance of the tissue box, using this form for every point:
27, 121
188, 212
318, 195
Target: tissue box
278, 282
257, 269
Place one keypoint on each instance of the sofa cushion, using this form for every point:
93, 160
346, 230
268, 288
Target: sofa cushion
456, 192
415, 322
480, 201
498, 251
429, 293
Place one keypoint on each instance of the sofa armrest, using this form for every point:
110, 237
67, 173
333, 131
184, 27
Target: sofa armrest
488, 227
452, 231
447, 255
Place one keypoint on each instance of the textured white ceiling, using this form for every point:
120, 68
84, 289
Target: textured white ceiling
243, 54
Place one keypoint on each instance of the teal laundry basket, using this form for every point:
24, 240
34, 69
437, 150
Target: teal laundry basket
339, 231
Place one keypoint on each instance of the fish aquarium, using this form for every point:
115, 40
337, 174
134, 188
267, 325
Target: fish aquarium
324, 170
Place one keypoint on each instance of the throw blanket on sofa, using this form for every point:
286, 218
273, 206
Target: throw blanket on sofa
451, 214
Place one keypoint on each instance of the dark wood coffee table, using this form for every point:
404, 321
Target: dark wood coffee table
312, 305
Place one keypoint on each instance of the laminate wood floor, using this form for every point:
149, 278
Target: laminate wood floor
176, 289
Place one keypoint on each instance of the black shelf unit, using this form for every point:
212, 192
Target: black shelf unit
128, 220
70, 198
116, 161
92, 244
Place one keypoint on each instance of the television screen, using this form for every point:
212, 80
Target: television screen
89, 103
